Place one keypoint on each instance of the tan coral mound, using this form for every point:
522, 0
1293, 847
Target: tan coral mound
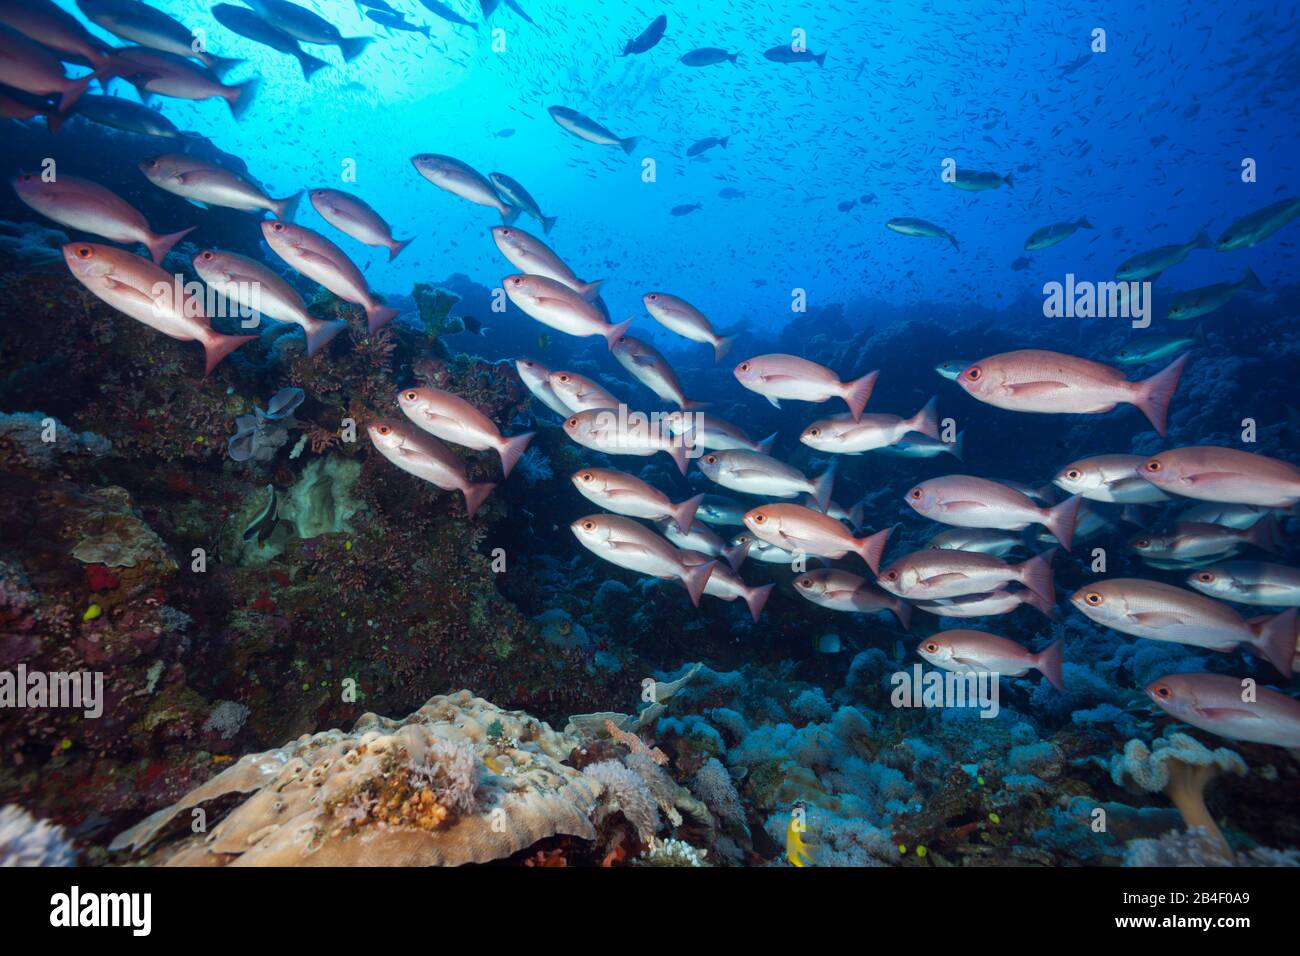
458, 781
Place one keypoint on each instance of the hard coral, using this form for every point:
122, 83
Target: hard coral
430, 789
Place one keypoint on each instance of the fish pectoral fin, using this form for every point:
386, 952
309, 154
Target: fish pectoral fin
126, 290
957, 507
314, 257
644, 361
1204, 476
775, 403
968, 662
943, 579
1227, 713
1034, 389
1156, 618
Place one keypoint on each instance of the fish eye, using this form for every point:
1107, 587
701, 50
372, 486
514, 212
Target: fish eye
915, 494
383, 429
1074, 474
891, 575
1094, 598
562, 377
505, 231
586, 476
206, 255
412, 395
84, 252
151, 163
1205, 577
711, 459
973, 373
654, 296
277, 227
1153, 466
804, 582
588, 525
760, 518
1163, 692
931, 646
1142, 543
814, 432
571, 423
744, 366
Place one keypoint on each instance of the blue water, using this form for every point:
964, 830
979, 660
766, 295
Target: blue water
1146, 139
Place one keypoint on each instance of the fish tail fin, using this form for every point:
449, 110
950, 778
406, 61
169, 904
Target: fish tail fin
856, 513
310, 64
1276, 640
734, 57
1036, 601
614, 332
54, 120
677, 453
510, 449
160, 245
902, 610
377, 316
756, 598
722, 346
241, 97
1155, 392
1203, 240
684, 513
821, 59
953, 240
509, 214
590, 290
321, 333
872, 547
423, 30
352, 47
629, 144
858, 392
690, 406
926, 421
736, 554
1050, 662
218, 346
221, 65
1251, 281
475, 494
1134, 515
1199, 336
548, 222
285, 209
1083, 223
1061, 518
955, 448
74, 91
695, 577
398, 245
1263, 533
1036, 575
723, 141
822, 485
765, 446
1007, 179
